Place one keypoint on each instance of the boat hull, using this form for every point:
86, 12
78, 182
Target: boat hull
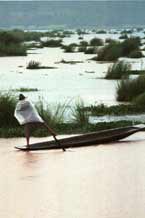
95, 138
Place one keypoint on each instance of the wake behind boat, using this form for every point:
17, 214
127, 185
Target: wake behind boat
94, 138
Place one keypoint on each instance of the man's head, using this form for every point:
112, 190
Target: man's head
21, 97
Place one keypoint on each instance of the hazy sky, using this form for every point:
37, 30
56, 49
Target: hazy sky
79, 0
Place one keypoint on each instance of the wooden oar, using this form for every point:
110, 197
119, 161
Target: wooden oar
54, 136
58, 143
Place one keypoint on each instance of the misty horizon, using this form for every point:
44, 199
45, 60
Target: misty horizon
71, 14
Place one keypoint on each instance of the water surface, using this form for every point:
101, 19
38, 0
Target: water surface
106, 181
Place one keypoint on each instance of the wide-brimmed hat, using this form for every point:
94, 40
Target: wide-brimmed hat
21, 97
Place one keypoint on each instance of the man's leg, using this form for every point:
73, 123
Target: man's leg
27, 134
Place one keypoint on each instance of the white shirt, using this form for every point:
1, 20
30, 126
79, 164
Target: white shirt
25, 112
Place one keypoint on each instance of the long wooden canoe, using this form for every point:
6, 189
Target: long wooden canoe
94, 138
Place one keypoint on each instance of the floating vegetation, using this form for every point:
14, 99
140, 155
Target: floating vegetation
69, 62
115, 110
89, 71
52, 43
34, 65
101, 32
24, 89
9, 127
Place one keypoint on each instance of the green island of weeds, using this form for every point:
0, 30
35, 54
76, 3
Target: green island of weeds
63, 128
9, 126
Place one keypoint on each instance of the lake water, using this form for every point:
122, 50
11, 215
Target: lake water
106, 181
67, 82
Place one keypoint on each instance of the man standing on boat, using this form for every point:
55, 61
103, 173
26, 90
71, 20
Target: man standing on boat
27, 115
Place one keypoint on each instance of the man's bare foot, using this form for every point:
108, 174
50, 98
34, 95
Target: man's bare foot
28, 147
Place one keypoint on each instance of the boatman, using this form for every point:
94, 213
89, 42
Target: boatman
27, 115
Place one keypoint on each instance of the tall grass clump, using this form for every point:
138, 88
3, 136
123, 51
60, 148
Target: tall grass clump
90, 50
109, 40
24, 89
52, 43
123, 36
83, 43
129, 89
32, 36
96, 42
114, 50
136, 54
79, 114
70, 48
101, 32
18, 35
140, 101
129, 45
33, 65
12, 50
82, 49
53, 116
7, 107
118, 70
11, 44
110, 52
9, 37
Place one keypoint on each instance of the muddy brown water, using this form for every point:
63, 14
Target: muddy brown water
106, 181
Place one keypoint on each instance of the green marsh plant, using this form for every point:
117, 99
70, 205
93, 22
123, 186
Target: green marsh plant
118, 70
7, 107
79, 114
129, 89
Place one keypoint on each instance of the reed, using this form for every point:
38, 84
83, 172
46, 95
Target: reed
117, 110
136, 54
52, 43
9, 127
91, 50
118, 70
65, 128
129, 89
12, 50
53, 116
80, 116
11, 44
83, 43
140, 101
70, 48
96, 42
110, 52
129, 45
24, 89
33, 65
114, 50
101, 32
7, 107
